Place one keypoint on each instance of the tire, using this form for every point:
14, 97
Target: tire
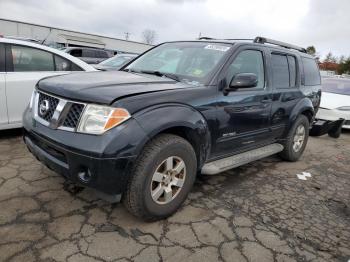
293, 150
141, 196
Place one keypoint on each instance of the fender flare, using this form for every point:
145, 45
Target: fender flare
304, 105
156, 119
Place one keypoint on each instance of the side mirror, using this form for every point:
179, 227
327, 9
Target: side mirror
244, 80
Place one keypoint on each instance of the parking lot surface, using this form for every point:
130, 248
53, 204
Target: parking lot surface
259, 212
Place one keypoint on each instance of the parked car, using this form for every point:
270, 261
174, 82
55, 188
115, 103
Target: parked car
22, 65
179, 109
88, 55
116, 62
335, 101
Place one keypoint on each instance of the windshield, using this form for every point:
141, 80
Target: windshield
117, 60
336, 86
191, 62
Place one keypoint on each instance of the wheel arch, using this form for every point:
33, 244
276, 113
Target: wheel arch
303, 107
180, 120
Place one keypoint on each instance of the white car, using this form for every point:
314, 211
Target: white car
335, 100
22, 65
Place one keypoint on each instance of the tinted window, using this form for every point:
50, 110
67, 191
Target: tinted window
336, 86
280, 72
102, 54
292, 71
312, 75
248, 61
89, 53
76, 52
27, 59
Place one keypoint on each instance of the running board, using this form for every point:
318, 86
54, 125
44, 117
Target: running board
224, 164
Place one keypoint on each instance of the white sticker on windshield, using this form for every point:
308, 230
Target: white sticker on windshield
221, 48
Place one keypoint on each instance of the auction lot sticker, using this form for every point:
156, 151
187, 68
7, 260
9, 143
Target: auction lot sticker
221, 48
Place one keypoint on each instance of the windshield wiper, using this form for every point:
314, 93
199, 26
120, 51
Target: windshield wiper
130, 70
157, 73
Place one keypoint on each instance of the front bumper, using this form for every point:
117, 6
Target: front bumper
100, 162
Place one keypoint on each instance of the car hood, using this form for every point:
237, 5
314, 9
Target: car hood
333, 101
105, 87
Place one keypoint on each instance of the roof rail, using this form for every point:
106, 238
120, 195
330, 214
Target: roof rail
205, 38
263, 40
230, 39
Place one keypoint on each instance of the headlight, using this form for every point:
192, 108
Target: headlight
31, 102
344, 108
98, 119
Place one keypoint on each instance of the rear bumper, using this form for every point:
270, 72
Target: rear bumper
321, 127
333, 115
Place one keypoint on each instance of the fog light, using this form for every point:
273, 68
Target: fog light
85, 176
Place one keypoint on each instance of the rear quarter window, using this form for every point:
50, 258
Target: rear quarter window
311, 72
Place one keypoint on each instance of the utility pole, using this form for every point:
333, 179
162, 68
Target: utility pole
127, 35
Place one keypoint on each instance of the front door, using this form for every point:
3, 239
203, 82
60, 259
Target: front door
243, 114
25, 67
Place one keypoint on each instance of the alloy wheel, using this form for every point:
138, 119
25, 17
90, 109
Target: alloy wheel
168, 180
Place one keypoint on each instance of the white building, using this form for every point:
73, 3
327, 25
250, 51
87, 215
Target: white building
58, 37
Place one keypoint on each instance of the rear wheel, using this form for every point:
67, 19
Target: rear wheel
162, 178
296, 141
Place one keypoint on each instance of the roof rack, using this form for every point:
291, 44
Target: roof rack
260, 40
230, 39
263, 40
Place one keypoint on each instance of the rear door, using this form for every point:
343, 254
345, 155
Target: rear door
285, 69
25, 67
3, 107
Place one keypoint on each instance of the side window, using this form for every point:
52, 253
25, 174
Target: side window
27, 59
280, 72
62, 64
89, 53
248, 61
76, 68
311, 72
292, 71
76, 52
102, 54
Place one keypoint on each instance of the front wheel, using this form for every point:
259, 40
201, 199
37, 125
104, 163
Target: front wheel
162, 178
296, 141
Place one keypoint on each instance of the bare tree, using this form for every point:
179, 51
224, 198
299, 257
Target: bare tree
149, 36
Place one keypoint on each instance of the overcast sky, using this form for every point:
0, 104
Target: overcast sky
322, 23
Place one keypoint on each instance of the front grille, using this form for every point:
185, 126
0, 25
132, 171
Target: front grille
52, 103
347, 122
73, 116
58, 113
